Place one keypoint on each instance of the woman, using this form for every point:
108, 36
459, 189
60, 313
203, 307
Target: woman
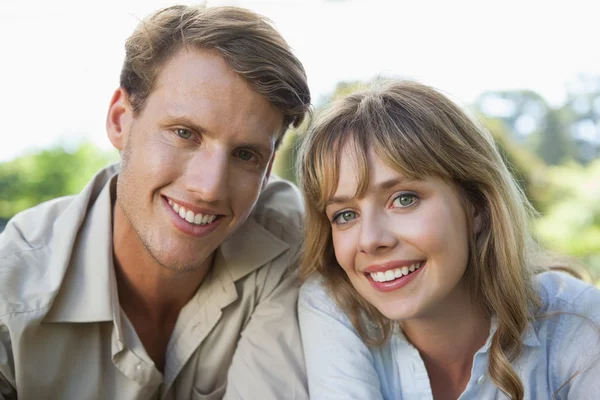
423, 279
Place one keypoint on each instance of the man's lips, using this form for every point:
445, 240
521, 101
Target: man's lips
191, 214
191, 207
197, 225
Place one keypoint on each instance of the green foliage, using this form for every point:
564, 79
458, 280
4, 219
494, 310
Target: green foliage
581, 113
527, 168
32, 179
552, 142
531, 121
285, 159
571, 224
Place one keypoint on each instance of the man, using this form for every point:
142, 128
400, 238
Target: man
173, 277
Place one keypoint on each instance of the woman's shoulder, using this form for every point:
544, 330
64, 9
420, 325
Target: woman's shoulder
315, 302
314, 293
314, 288
561, 292
568, 328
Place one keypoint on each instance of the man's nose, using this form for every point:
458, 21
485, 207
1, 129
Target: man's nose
206, 175
376, 235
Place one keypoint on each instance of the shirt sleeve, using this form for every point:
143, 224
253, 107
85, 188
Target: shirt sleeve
7, 390
339, 364
578, 350
268, 362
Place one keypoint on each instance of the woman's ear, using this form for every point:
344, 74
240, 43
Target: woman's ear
118, 119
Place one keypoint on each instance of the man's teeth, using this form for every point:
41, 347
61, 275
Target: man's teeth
189, 216
396, 273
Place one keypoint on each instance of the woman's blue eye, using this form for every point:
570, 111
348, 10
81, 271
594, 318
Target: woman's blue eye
344, 217
183, 133
404, 200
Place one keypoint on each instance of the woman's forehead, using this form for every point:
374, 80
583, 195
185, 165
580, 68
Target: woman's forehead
373, 171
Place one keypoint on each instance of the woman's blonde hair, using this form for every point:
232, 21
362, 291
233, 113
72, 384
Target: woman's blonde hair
420, 132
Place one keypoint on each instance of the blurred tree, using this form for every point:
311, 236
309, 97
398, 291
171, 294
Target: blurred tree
32, 179
571, 224
285, 161
532, 122
527, 168
284, 164
581, 113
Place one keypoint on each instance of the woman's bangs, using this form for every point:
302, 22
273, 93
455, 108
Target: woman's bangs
326, 163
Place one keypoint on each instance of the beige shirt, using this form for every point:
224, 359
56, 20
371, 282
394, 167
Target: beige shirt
64, 336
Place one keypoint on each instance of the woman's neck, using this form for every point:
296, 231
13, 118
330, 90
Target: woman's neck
447, 340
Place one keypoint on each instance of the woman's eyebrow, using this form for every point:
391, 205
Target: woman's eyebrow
338, 200
379, 186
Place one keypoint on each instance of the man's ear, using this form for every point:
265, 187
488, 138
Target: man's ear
268, 174
119, 119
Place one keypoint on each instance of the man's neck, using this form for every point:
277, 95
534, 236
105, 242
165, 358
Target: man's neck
150, 295
447, 343
144, 285
152, 291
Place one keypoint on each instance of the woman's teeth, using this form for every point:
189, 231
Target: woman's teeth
395, 273
189, 216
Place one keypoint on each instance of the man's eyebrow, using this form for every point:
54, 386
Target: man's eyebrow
379, 186
180, 119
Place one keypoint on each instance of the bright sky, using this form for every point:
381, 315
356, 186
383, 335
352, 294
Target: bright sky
61, 59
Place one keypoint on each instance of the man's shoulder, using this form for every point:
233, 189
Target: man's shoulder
36, 245
279, 210
32, 228
269, 241
37, 227
26, 247
315, 294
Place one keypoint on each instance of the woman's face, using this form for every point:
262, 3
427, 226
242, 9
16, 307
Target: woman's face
404, 245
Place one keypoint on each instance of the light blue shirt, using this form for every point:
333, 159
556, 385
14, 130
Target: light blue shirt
341, 366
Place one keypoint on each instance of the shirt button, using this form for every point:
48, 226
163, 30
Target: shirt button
139, 367
479, 380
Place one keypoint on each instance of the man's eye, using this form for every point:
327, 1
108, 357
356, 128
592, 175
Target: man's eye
405, 200
245, 155
183, 133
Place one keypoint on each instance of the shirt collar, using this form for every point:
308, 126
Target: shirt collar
249, 248
88, 290
529, 335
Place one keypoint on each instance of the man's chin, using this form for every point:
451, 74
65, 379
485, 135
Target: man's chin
180, 265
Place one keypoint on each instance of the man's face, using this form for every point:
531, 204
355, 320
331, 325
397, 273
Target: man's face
193, 161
